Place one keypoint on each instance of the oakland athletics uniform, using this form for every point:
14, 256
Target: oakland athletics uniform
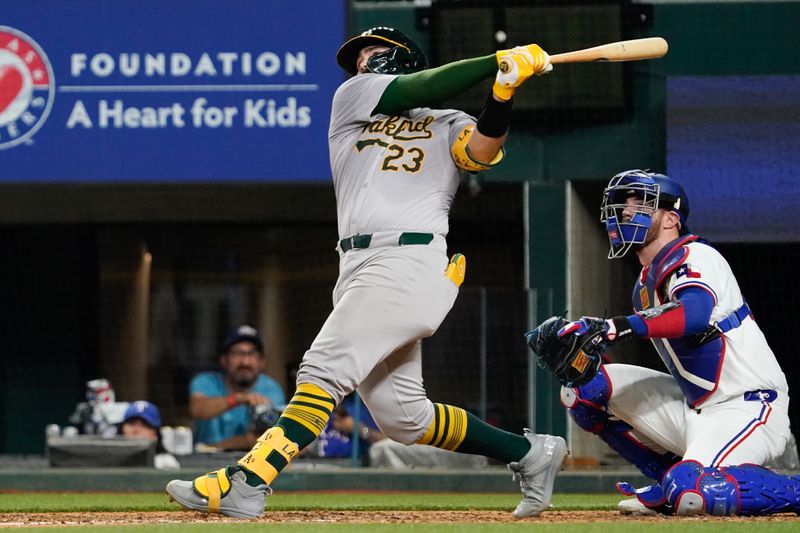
395, 180
395, 167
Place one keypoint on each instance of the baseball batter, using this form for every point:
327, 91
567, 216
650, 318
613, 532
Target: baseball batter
396, 164
700, 431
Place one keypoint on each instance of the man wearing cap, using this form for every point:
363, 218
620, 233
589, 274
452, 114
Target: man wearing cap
220, 402
143, 421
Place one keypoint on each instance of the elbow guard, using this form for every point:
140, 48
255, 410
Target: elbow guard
462, 158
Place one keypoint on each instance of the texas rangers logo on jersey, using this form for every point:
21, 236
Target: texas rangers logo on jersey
27, 87
686, 270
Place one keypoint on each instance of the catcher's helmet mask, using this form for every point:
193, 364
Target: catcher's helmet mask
404, 56
656, 191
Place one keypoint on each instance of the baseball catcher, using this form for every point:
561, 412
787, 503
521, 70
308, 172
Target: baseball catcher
703, 431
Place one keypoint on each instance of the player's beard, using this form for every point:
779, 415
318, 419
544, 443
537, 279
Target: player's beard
650, 237
244, 377
654, 231
652, 234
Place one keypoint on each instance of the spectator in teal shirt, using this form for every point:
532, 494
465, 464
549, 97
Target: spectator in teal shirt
222, 403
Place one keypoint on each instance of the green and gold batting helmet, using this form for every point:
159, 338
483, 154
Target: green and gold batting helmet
403, 57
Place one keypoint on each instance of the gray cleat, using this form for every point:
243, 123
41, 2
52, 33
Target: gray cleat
536, 472
241, 501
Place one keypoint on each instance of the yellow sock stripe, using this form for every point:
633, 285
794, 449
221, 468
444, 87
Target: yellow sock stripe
458, 428
310, 407
432, 434
313, 401
444, 426
272, 440
213, 487
312, 419
428, 436
311, 393
448, 429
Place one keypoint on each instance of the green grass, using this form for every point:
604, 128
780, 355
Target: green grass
293, 501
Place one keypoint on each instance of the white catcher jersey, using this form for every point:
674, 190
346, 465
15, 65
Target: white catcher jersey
747, 362
391, 173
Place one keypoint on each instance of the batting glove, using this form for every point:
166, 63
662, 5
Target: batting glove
517, 65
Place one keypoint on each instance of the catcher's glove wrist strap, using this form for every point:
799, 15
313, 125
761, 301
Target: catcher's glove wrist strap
619, 329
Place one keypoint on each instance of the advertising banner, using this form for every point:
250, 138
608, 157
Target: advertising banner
167, 91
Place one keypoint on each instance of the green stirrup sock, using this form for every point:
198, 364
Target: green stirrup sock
455, 429
483, 439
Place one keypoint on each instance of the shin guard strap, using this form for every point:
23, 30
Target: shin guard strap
273, 441
213, 487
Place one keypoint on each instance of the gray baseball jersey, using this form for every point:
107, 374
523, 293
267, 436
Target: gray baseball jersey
391, 173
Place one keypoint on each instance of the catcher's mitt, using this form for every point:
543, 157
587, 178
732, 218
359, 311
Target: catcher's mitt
573, 358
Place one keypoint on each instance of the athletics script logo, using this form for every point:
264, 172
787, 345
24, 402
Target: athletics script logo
27, 87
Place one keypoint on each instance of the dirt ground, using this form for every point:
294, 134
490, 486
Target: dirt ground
372, 517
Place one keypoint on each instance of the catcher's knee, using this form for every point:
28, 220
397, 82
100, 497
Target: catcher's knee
690, 489
588, 407
588, 404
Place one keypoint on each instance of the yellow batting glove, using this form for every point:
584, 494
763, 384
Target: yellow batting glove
539, 58
457, 269
517, 65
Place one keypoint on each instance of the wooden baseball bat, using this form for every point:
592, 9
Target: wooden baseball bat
649, 48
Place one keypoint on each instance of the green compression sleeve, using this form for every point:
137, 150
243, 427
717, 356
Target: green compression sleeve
433, 86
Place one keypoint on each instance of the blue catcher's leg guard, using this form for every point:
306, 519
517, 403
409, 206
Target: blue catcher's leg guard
588, 406
748, 490
680, 488
762, 491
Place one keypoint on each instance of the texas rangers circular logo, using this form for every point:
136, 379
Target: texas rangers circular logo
27, 87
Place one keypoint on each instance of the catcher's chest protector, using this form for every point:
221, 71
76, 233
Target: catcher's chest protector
647, 293
695, 368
